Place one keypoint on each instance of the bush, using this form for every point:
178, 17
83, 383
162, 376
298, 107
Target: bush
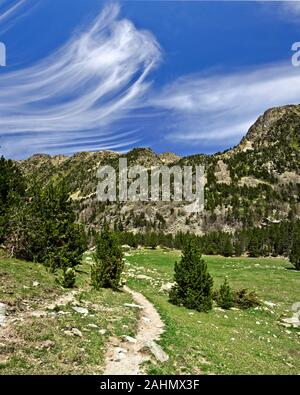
107, 269
193, 283
244, 299
224, 296
69, 277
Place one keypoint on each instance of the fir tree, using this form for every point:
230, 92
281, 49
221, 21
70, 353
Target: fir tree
44, 229
193, 283
12, 190
107, 269
294, 254
227, 249
225, 296
253, 247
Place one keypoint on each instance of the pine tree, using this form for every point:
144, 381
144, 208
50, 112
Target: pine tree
44, 229
227, 249
225, 296
294, 254
253, 246
107, 269
193, 283
12, 190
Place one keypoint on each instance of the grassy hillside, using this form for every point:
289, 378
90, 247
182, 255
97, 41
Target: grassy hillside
45, 335
225, 342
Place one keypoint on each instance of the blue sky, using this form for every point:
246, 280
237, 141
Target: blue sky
187, 77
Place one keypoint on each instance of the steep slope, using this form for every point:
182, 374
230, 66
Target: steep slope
254, 183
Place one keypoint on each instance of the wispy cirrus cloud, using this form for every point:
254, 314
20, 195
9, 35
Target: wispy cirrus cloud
220, 108
11, 10
291, 8
80, 91
94, 94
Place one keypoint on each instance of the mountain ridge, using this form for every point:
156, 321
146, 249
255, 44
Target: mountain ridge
256, 180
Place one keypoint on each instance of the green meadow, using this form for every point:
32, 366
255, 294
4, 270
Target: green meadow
224, 342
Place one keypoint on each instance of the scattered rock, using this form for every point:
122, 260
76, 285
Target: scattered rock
286, 325
73, 332
81, 310
63, 313
46, 344
203, 361
133, 306
39, 314
2, 314
143, 277
166, 287
156, 350
293, 321
102, 331
93, 326
270, 304
35, 284
119, 353
129, 339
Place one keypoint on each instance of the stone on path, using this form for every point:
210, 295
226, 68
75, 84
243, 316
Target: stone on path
156, 350
129, 339
133, 305
2, 314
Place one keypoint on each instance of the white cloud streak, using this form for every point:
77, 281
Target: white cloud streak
221, 108
94, 94
83, 88
291, 8
12, 10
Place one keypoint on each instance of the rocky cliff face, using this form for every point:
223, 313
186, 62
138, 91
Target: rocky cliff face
254, 183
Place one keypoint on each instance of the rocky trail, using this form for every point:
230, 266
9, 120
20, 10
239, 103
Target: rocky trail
125, 357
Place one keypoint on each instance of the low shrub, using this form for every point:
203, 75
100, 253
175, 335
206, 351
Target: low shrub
69, 277
245, 299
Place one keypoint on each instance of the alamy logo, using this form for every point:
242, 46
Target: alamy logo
137, 183
296, 55
2, 54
